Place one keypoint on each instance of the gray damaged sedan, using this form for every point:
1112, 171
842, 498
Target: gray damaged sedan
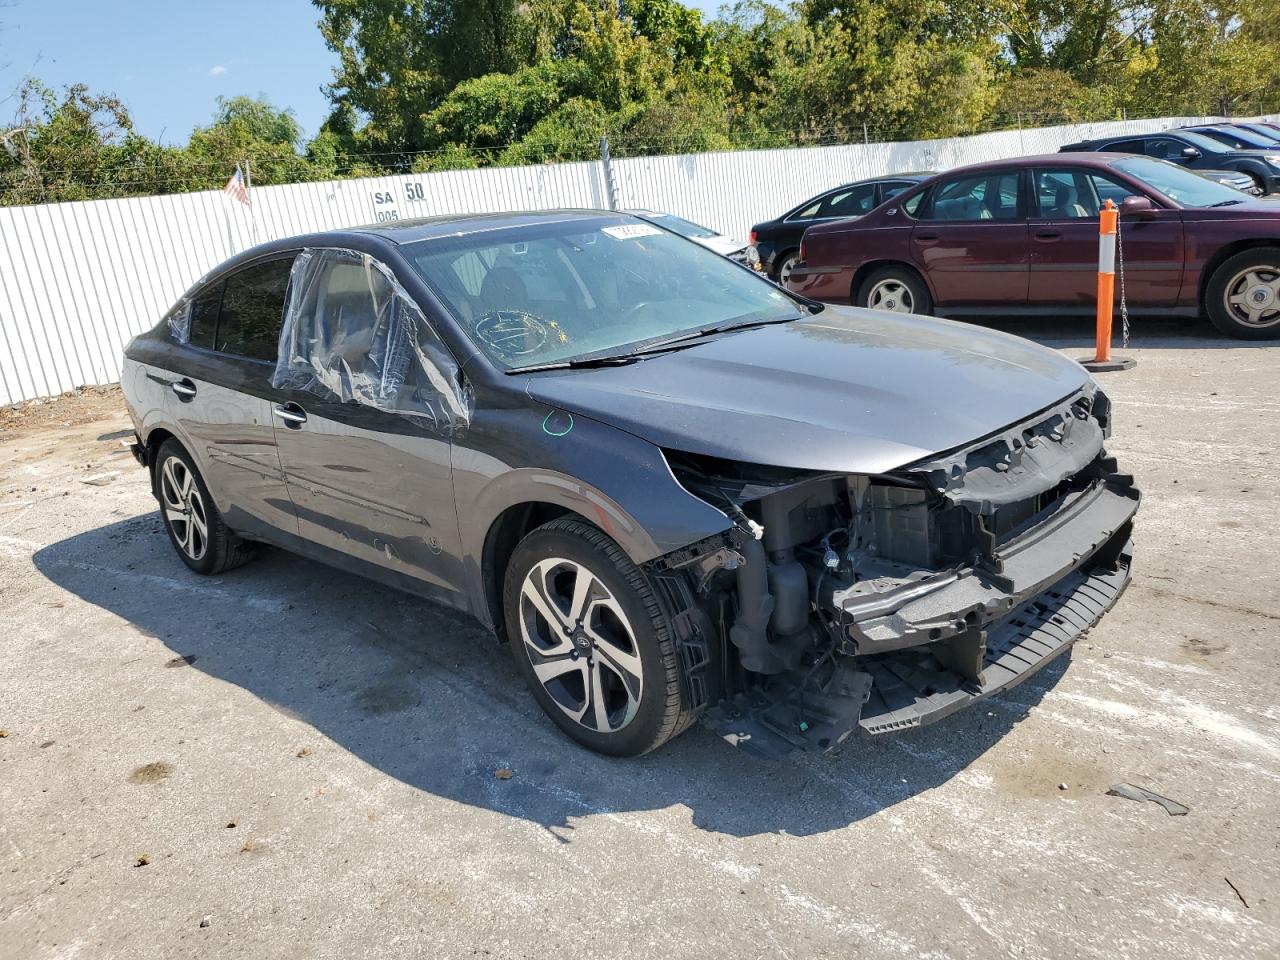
674, 490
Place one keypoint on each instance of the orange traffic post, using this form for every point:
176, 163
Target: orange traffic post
1108, 220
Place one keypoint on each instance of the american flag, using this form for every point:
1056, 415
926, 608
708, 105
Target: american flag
235, 188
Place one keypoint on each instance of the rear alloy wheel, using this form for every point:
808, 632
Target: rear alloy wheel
788, 264
591, 641
1243, 295
195, 527
894, 289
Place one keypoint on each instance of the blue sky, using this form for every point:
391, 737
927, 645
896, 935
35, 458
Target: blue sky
170, 59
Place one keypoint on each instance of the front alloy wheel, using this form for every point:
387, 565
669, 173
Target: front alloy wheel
580, 645
592, 641
1243, 295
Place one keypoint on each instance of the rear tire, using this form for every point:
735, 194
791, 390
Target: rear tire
786, 263
897, 289
1242, 298
607, 669
196, 529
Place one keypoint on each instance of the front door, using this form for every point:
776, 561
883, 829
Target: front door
363, 435
1064, 243
971, 241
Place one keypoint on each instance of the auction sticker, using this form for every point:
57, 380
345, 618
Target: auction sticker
631, 231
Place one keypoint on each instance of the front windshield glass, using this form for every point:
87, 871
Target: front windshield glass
1206, 144
686, 228
588, 287
1187, 188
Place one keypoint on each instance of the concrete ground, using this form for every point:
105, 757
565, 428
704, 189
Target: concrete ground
287, 762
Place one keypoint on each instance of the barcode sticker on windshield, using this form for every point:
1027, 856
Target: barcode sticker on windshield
631, 231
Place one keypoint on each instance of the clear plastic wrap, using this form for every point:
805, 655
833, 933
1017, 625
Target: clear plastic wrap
353, 334
179, 320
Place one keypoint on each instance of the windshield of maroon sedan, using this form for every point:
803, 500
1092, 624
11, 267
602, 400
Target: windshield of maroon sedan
1187, 188
585, 288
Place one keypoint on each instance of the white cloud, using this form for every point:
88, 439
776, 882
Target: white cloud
217, 70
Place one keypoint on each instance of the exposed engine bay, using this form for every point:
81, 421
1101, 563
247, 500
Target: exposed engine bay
839, 602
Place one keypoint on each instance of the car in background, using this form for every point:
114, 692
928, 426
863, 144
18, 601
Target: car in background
1021, 237
1231, 178
778, 241
635, 462
724, 245
1237, 136
1194, 150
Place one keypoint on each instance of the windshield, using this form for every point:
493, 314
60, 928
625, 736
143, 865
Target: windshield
1206, 144
588, 287
1242, 139
1183, 186
686, 228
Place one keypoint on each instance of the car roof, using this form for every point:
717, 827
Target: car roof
1086, 158
427, 228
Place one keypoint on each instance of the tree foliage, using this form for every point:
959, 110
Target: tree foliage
453, 84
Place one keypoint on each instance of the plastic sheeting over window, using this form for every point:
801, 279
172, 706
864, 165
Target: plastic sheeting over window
352, 333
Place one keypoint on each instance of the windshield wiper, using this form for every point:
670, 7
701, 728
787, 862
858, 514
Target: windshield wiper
669, 345
1226, 203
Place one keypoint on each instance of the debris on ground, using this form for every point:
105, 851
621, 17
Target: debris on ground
1236, 891
502, 773
205, 921
142, 861
181, 661
1130, 792
304, 752
100, 479
1062, 786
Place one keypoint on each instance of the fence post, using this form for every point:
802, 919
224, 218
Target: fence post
606, 164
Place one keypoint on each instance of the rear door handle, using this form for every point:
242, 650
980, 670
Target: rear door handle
184, 388
926, 237
292, 415
1048, 236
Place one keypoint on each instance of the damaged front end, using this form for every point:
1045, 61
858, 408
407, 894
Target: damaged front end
841, 602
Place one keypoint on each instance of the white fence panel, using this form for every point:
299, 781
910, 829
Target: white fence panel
77, 280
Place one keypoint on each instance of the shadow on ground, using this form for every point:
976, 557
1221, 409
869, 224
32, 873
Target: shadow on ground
426, 696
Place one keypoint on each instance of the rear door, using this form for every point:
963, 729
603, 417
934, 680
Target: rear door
1064, 241
970, 240
363, 433
219, 396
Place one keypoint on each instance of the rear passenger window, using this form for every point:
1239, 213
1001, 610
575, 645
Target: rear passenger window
204, 317
253, 310
985, 197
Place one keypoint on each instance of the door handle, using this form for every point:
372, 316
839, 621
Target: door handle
184, 388
292, 415
1048, 236
926, 238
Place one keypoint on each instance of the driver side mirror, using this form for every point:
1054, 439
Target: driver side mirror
1134, 206
1191, 153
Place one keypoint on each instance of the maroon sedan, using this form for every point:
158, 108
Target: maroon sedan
1021, 237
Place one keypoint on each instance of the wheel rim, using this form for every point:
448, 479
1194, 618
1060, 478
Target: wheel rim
891, 295
184, 508
1253, 296
784, 272
581, 645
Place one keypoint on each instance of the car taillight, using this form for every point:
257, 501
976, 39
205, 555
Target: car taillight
802, 245
753, 238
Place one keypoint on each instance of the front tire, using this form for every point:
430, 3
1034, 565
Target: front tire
591, 640
196, 529
1242, 297
896, 289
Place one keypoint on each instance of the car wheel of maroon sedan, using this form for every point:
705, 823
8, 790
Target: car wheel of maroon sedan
895, 289
1243, 295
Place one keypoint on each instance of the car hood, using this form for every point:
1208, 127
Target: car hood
720, 244
847, 390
